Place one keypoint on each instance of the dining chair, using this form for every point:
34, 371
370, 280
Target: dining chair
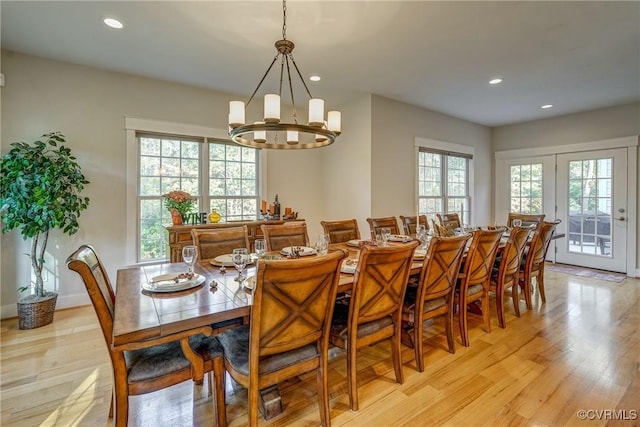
532, 266
449, 219
293, 303
219, 241
527, 219
341, 231
152, 364
374, 311
506, 276
279, 236
409, 223
433, 296
375, 224
473, 280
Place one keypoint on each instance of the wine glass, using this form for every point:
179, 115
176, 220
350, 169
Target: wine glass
189, 256
261, 247
240, 257
517, 222
421, 235
385, 233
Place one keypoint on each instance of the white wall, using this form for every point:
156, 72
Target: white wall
89, 105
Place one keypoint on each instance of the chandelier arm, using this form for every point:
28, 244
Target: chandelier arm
293, 101
300, 75
281, 75
262, 80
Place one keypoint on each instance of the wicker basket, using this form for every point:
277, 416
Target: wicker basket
34, 312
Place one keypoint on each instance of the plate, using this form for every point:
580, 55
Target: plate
172, 282
400, 238
355, 243
349, 266
304, 251
227, 260
419, 254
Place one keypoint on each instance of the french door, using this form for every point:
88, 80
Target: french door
592, 203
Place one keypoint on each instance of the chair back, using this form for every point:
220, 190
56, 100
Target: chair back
540, 245
441, 267
341, 231
215, 242
380, 283
449, 219
279, 236
375, 224
480, 258
527, 219
512, 253
293, 303
86, 263
409, 223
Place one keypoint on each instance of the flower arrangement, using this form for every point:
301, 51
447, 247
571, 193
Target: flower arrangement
181, 201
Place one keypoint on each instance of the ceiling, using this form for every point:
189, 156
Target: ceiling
577, 56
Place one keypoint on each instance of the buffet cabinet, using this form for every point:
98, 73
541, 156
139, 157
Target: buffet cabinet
180, 235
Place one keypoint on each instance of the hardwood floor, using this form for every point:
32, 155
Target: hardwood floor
580, 351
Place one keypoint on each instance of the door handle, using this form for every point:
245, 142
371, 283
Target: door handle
620, 219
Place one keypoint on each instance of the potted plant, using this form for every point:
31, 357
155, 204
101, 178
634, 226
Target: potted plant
179, 203
40, 186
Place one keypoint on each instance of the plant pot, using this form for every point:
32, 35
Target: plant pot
176, 217
34, 311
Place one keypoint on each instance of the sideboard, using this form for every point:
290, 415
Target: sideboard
180, 235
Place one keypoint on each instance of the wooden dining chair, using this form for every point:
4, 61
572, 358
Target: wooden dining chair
293, 303
219, 241
151, 364
279, 236
506, 276
341, 231
449, 219
433, 296
532, 266
473, 280
409, 223
374, 311
375, 224
527, 219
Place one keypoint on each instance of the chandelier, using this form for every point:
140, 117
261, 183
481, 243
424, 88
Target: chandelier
271, 132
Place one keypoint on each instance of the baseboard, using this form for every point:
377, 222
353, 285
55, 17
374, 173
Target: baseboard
66, 301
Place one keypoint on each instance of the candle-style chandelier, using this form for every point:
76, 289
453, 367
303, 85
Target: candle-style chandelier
271, 132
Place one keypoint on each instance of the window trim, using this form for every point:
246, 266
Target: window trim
447, 148
133, 125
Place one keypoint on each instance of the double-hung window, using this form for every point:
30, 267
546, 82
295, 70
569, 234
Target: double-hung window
443, 183
219, 174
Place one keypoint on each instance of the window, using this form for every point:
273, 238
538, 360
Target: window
526, 188
228, 182
443, 183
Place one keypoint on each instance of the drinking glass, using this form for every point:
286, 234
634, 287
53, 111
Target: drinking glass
322, 244
261, 247
517, 222
240, 257
189, 256
421, 235
385, 233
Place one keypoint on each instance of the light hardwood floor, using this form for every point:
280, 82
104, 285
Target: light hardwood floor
580, 351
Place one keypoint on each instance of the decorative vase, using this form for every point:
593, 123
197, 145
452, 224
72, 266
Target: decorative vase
176, 217
214, 217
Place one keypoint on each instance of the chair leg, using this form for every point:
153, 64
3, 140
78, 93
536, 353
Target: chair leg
351, 373
418, 329
500, 307
540, 282
111, 404
464, 331
486, 317
526, 289
220, 392
396, 350
515, 297
254, 396
449, 328
323, 391
122, 409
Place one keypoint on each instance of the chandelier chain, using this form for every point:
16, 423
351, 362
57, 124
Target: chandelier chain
284, 19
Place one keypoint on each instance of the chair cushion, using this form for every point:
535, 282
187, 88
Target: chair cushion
474, 289
340, 320
235, 343
207, 347
149, 363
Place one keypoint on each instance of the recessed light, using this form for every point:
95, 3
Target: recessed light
495, 81
113, 23
314, 78
545, 106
